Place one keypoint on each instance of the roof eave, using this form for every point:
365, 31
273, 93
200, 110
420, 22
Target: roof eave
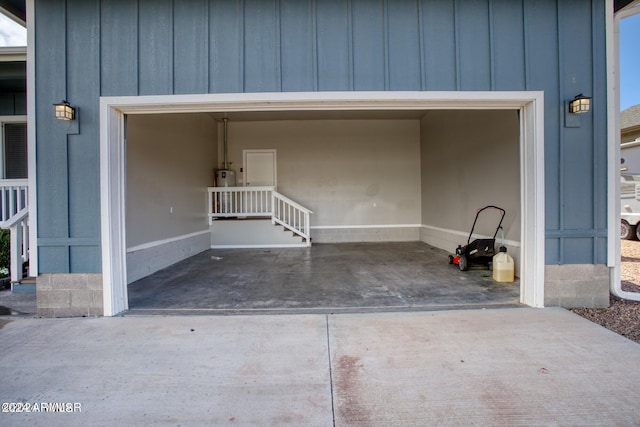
15, 10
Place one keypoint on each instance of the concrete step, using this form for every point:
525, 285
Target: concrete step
254, 233
23, 288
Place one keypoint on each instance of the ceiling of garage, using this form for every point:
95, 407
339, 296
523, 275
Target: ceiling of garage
254, 116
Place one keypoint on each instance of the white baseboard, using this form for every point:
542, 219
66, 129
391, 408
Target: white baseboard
337, 227
258, 246
507, 242
165, 241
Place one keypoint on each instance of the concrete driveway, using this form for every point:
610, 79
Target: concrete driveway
514, 366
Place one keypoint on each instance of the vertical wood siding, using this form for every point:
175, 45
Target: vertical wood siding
402, 47
298, 40
334, 42
118, 47
473, 45
226, 41
83, 183
54, 239
191, 47
438, 52
155, 47
507, 45
145, 47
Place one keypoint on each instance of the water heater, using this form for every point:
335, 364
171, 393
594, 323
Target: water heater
225, 178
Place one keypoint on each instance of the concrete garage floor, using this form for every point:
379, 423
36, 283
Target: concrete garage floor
326, 278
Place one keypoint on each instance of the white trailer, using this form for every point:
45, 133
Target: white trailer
630, 206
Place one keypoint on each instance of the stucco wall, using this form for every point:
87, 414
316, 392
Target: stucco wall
170, 163
349, 172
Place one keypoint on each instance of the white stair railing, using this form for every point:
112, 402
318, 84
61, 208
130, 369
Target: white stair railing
242, 202
14, 216
291, 216
19, 242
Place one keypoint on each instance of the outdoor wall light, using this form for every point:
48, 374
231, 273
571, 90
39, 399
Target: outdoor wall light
69, 115
580, 104
64, 111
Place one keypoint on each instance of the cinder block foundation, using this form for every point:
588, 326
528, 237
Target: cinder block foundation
576, 285
69, 295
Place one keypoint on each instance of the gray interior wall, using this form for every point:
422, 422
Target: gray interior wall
470, 159
85, 49
349, 172
170, 163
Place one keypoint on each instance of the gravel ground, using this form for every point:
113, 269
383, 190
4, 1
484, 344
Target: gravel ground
622, 316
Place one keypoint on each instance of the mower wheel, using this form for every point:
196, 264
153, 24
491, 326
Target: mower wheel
462, 263
450, 259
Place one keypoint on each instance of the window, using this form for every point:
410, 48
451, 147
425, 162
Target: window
14, 138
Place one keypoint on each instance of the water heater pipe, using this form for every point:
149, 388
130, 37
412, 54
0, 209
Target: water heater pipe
226, 160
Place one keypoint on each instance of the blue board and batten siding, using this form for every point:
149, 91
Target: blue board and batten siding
90, 48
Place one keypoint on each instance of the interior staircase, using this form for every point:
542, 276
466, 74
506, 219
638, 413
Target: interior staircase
256, 217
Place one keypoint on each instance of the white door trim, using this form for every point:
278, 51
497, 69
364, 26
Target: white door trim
112, 158
275, 165
112, 210
31, 138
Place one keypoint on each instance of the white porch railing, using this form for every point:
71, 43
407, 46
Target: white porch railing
228, 202
13, 197
14, 216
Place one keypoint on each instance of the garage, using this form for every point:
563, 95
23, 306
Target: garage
379, 171
114, 60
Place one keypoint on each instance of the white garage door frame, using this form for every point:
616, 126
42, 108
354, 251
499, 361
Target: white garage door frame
112, 161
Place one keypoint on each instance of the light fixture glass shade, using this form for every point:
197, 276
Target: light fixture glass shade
64, 111
580, 104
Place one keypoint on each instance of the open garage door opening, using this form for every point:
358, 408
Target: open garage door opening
392, 192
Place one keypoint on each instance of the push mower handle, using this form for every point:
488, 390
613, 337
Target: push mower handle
502, 213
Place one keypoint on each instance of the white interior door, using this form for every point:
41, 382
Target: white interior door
259, 167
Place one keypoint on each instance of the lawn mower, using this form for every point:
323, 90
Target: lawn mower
480, 251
